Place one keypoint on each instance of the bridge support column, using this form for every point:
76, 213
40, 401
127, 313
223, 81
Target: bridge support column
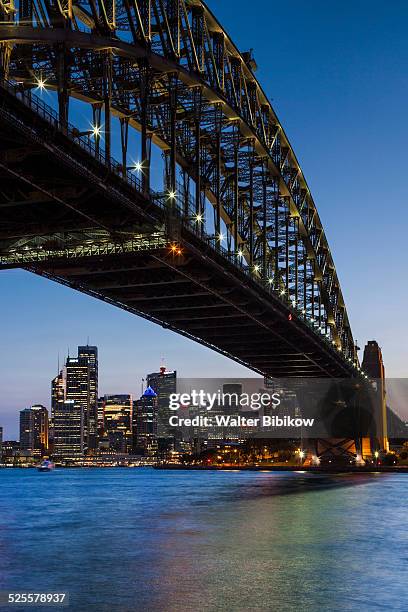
146, 139
107, 87
5, 53
96, 122
173, 132
63, 78
124, 133
218, 126
197, 153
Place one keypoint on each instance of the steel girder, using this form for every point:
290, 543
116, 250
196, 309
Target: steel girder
168, 69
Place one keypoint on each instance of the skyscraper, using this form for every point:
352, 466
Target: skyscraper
74, 393
145, 412
163, 383
77, 389
91, 354
117, 412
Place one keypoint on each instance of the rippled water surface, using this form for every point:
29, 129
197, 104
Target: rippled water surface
148, 540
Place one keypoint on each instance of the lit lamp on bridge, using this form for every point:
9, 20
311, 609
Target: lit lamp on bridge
136, 167
41, 83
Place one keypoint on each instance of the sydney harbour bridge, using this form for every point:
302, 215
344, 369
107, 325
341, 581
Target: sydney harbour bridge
142, 163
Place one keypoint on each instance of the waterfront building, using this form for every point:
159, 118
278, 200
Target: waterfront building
163, 383
40, 424
117, 422
90, 353
26, 430
10, 448
74, 395
77, 390
1, 443
145, 413
68, 430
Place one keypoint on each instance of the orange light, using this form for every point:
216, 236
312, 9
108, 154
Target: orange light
179, 252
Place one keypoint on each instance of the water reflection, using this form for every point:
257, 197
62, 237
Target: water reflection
143, 540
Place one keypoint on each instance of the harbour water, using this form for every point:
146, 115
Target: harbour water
150, 540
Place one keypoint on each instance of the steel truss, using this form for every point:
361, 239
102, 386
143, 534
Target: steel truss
168, 69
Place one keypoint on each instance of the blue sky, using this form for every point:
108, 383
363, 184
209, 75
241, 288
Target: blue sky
337, 75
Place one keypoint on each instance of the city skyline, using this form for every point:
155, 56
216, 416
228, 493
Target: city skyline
10, 424
344, 91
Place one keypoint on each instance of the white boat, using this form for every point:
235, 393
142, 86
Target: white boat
46, 466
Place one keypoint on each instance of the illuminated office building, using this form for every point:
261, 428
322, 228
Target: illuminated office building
34, 430
145, 412
68, 431
77, 390
26, 430
41, 429
163, 383
117, 419
74, 395
90, 353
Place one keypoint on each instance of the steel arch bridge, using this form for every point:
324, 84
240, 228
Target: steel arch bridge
230, 251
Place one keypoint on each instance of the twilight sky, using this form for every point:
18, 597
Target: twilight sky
337, 75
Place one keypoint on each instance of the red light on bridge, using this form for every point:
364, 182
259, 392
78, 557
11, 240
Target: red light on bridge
290, 317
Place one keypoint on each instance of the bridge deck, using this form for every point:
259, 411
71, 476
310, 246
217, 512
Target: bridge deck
69, 216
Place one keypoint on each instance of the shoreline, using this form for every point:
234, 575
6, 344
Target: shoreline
291, 468
243, 468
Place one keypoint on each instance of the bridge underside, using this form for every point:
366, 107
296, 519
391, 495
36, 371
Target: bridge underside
195, 295
67, 216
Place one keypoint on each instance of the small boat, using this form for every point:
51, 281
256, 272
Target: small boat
46, 466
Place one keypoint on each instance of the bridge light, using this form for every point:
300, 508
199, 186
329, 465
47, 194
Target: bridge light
240, 254
282, 292
199, 218
290, 317
41, 84
138, 167
270, 281
96, 131
303, 311
312, 320
220, 237
293, 303
172, 195
256, 268
301, 454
